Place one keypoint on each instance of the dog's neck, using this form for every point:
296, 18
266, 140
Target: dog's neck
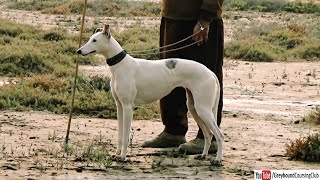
113, 49
117, 58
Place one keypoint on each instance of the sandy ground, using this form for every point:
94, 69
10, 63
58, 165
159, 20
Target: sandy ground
262, 100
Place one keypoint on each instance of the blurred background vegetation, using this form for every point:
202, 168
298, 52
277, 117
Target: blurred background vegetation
43, 61
120, 8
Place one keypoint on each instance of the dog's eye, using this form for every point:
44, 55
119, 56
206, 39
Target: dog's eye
94, 40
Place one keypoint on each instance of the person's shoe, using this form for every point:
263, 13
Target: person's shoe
165, 140
195, 146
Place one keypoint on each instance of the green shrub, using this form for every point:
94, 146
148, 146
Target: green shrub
33, 57
305, 149
309, 52
25, 63
301, 7
315, 29
6, 29
313, 116
53, 36
33, 5
261, 5
266, 5
285, 38
5, 40
253, 49
270, 42
139, 39
27, 51
236, 5
100, 83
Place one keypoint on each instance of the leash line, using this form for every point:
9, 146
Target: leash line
76, 73
170, 50
166, 46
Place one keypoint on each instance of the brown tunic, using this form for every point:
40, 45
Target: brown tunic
192, 9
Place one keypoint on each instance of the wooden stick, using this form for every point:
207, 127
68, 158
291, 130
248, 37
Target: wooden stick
76, 73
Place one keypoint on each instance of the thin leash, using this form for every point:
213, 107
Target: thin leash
146, 52
76, 73
170, 50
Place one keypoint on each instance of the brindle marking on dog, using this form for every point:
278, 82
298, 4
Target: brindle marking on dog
171, 64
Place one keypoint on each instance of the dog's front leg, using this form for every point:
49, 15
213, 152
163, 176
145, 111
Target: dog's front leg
120, 125
119, 117
127, 118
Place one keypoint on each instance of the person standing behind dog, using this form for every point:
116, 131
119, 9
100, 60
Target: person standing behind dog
180, 19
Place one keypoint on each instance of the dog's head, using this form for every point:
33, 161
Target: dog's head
97, 42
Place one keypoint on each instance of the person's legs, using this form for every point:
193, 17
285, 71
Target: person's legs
173, 107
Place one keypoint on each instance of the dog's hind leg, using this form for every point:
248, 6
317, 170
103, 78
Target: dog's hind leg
207, 116
127, 118
206, 131
203, 107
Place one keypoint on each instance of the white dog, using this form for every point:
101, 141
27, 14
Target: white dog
139, 81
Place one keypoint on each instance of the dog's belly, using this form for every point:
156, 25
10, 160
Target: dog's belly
153, 86
156, 79
149, 95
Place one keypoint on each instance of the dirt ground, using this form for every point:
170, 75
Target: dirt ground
263, 103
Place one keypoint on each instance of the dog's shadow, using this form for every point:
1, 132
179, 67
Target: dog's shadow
172, 153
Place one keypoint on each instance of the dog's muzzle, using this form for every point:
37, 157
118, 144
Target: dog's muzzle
80, 52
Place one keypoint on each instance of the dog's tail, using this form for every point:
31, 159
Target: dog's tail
217, 99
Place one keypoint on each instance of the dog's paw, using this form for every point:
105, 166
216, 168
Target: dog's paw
113, 157
117, 158
120, 158
200, 157
215, 162
118, 152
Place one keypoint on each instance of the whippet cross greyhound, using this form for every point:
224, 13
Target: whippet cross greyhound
140, 81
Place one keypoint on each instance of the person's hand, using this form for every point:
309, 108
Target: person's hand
203, 34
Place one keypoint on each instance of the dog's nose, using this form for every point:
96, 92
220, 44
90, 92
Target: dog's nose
79, 51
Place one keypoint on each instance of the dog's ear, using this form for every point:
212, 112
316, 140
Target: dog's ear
105, 27
106, 30
98, 30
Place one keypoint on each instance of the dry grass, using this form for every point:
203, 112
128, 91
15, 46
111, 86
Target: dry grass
313, 117
305, 149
